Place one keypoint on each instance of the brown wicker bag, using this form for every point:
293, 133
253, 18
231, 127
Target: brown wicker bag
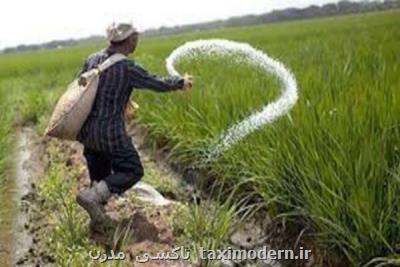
75, 104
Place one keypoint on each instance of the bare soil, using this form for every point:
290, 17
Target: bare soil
148, 224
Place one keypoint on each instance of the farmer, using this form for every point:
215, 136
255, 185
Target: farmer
113, 162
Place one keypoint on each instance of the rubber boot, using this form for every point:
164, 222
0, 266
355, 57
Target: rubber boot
92, 200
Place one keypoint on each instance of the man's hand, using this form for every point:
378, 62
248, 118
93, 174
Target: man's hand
131, 109
188, 81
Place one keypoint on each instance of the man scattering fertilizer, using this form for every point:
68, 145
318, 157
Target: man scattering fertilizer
113, 162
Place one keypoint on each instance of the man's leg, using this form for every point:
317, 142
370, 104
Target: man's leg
93, 198
127, 169
98, 163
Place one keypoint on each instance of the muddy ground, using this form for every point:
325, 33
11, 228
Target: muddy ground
147, 219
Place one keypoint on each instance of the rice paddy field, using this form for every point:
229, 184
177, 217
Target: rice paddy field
331, 168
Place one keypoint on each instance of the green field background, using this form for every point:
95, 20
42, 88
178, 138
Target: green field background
330, 167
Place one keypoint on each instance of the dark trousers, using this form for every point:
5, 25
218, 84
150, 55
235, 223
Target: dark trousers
120, 169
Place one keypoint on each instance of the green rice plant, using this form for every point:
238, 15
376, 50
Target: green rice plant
330, 164
68, 240
207, 225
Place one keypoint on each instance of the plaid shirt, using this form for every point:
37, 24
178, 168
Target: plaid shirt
104, 129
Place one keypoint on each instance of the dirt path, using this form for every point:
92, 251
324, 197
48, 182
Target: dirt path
144, 223
20, 192
142, 218
29, 168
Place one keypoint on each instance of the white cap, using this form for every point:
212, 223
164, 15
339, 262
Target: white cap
117, 32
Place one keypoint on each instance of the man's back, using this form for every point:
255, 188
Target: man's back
104, 129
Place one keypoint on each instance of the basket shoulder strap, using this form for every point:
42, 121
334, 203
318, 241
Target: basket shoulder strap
111, 61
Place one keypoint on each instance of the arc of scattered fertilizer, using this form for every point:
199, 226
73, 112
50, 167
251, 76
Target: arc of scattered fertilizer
252, 56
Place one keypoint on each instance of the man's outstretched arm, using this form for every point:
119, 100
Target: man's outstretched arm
141, 78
